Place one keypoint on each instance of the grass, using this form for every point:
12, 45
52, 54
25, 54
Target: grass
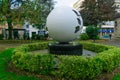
116, 77
5, 57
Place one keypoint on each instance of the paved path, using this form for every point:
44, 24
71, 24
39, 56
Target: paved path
88, 53
112, 42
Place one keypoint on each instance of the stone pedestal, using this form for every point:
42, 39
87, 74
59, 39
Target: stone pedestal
66, 49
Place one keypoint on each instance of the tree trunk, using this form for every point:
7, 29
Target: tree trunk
10, 27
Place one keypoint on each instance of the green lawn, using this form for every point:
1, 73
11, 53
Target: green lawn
4, 75
116, 77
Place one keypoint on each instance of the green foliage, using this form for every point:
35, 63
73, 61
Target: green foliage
32, 47
69, 67
38, 37
110, 59
40, 63
94, 11
116, 77
95, 47
35, 12
5, 57
84, 36
92, 32
78, 67
1, 36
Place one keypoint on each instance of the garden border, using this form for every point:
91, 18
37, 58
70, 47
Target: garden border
70, 67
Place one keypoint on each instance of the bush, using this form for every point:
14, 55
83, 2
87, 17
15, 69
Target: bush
69, 67
38, 37
5, 58
40, 63
84, 36
92, 32
78, 67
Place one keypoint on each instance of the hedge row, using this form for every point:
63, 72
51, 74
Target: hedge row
95, 47
5, 58
33, 62
70, 67
78, 67
31, 47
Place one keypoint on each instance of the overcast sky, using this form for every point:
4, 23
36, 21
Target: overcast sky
65, 2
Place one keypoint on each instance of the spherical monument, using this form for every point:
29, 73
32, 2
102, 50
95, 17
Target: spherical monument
64, 24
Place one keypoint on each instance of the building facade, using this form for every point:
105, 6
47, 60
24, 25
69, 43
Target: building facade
117, 4
106, 27
77, 5
117, 21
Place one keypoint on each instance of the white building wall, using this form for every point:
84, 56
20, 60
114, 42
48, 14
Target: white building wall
30, 29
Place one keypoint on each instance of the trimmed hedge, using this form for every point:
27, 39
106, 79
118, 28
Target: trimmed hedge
40, 63
5, 58
84, 36
78, 67
69, 67
95, 47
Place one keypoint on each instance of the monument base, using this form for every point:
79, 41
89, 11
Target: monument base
66, 49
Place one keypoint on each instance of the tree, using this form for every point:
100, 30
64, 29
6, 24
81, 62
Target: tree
17, 11
92, 32
95, 11
39, 11
105, 9
88, 12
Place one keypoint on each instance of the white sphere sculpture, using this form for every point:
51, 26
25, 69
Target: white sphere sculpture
64, 24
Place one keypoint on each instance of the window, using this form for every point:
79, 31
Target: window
27, 26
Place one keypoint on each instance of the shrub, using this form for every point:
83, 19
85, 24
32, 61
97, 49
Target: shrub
92, 32
78, 67
38, 37
116, 77
95, 47
84, 36
110, 59
41, 63
5, 58
69, 67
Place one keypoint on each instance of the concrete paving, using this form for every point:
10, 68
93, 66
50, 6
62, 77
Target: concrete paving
87, 53
113, 42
